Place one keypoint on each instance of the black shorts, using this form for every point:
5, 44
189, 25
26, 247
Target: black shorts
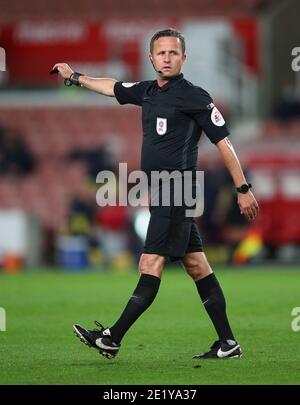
171, 233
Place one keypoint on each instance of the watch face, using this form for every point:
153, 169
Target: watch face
244, 188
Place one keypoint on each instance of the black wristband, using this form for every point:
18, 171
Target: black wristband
73, 79
244, 188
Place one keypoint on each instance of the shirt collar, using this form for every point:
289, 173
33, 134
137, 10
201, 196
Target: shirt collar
172, 82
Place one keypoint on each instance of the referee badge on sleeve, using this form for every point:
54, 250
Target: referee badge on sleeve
161, 125
217, 117
127, 85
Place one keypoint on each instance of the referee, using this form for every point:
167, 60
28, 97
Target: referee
174, 113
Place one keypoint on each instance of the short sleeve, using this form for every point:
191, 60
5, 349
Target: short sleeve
130, 93
200, 106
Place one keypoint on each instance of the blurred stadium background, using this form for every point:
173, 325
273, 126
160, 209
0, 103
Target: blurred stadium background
54, 140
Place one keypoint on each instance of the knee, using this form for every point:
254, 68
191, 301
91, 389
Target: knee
197, 270
194, 271
151, 264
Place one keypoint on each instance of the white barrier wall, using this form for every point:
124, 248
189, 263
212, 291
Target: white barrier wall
21, 235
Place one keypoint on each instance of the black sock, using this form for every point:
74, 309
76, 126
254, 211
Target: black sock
213, 299
141, 299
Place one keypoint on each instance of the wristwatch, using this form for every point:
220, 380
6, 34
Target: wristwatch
73, 79
244, 188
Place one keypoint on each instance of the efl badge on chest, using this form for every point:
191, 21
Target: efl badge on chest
161, 125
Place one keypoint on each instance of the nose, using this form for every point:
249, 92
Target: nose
167, 58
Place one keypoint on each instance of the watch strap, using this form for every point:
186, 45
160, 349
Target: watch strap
73, 79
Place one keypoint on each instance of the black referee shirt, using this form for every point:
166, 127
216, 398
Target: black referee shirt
173, 116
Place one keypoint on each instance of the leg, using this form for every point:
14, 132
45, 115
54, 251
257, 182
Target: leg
150, 267
213, 299
196, 265
151, 264
210, 292
107, 341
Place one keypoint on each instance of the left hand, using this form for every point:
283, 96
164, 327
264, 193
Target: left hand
63, 69
248, 205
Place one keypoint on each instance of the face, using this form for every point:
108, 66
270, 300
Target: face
167, 56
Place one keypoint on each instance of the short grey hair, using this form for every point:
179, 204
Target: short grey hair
169, 32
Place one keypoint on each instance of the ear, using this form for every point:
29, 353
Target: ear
150, 56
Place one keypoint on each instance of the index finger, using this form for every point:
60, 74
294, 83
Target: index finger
54, 71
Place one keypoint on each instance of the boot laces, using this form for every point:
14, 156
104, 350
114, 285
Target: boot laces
99, 327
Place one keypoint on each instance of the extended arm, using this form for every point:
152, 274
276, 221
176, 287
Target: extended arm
103, 86
247, 202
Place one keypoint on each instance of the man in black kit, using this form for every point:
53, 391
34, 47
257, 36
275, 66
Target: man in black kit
174, 113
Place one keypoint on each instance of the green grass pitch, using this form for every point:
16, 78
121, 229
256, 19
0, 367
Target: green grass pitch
39, 347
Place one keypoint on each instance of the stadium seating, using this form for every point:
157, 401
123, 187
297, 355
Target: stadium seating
52, 134
274, 129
